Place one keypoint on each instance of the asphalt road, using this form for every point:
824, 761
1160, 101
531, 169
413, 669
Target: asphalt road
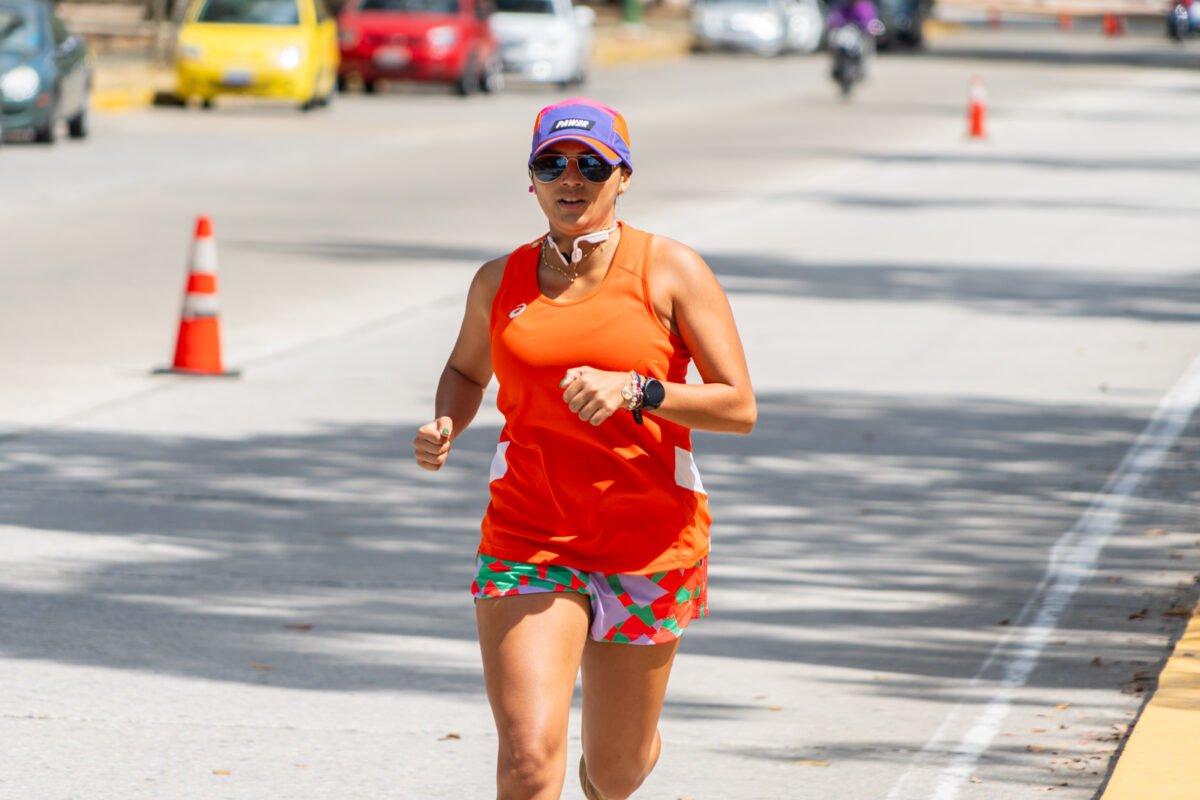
941, 564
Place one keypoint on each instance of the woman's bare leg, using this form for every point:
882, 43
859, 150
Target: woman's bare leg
531, 645
623, 690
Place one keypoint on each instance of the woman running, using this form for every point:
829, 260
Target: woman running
595, 543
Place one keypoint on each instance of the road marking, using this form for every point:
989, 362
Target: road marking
1072, 561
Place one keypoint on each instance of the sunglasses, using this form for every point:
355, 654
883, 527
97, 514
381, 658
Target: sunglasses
550, 167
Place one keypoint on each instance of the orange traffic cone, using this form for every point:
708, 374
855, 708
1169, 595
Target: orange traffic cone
976, 109
1113, 25
198, 349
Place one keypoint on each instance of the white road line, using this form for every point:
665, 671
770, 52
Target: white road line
1072, 561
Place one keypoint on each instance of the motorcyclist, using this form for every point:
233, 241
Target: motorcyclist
863, 13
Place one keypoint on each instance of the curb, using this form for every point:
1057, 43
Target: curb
1159, 759
116, 101
636, 43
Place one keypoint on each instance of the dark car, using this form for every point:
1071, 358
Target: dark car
45, 72
903, 22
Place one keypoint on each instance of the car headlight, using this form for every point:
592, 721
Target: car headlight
19, 84
189, 52
289, 57
442, 37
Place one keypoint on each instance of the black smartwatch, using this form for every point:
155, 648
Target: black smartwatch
653, 394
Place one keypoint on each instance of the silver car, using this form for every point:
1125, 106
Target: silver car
547, 41
766, 27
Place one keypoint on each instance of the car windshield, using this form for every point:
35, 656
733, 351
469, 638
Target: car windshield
417, 6
19, 31
526, 6
250, 12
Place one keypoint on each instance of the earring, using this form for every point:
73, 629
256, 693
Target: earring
531, 188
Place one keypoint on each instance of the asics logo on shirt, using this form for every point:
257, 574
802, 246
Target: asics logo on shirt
516, 312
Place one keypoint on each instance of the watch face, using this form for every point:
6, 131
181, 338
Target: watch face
653, 394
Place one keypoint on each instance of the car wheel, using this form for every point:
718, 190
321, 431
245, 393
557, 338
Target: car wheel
77, 126
48, 133
341, 83
469, 80
369, 85
207, 103
491, 80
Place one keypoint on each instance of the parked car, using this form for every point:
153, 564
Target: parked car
547, 41
903, 23
282, 49
45, 72
439, 41
766, 27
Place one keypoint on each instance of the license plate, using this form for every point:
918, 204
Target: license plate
392, 56
237, 77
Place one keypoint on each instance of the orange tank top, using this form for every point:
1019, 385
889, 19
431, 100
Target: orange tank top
618, 497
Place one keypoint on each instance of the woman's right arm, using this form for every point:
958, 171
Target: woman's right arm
466, 375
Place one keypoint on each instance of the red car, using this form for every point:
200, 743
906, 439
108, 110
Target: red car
442, 41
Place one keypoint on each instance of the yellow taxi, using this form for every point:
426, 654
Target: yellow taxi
284, 49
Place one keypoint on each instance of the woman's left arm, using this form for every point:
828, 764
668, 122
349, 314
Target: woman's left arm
688, 299
686, 292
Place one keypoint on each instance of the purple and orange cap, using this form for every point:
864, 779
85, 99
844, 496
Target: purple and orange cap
588, 122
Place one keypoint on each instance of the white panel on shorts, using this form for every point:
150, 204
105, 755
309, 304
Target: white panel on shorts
686, 474
499, 463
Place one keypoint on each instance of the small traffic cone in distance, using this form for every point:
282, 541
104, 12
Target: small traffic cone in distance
198, 347
977, 109
1114, 25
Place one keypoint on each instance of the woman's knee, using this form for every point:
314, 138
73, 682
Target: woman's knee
531, 760
615, 775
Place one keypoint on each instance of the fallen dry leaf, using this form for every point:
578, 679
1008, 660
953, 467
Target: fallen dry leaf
1062, 706
1177, 611
450, 736
299, 626
774, 708
1140, 614
806, 762
1096, 662
1037, 730
1175, 556
1035, 748
262, 667
976, 779
221, 772
1155, 532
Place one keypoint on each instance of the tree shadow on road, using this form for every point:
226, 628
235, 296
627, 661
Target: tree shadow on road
905, 520
1017, 290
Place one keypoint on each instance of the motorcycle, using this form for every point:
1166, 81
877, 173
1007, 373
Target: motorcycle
853, 28
847, 44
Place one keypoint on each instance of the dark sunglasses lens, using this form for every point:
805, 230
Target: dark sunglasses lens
594, 168
549, 168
